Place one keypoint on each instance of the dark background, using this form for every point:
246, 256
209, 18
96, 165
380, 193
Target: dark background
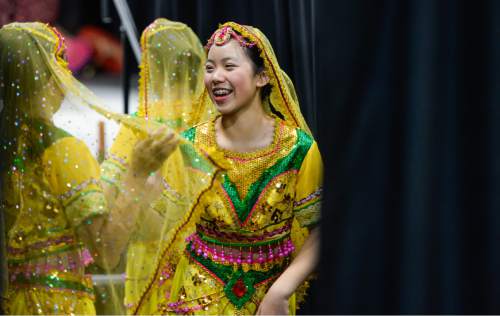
404, 100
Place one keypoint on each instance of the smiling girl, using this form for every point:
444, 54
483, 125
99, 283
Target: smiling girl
250, 242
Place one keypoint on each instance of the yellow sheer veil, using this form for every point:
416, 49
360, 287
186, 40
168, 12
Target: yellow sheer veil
171, 75
171, 81
34, 87
282, 99
42, 103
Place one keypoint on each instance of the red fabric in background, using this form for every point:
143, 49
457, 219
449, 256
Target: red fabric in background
28, 10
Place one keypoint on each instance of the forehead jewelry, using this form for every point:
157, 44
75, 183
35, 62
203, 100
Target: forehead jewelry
224, 35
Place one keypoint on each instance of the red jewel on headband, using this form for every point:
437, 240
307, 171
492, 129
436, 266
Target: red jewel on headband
223, 35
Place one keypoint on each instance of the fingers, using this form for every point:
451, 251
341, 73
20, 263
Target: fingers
156, 140
165, 151
150, 153
144, 143
161, 133
165, 140
156, 133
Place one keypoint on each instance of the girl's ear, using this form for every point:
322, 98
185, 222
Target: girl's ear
262, 79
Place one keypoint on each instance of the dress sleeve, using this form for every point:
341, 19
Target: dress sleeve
73, 175
118, 159
307, 204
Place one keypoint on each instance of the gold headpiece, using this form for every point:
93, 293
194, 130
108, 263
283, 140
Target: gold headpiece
224, 34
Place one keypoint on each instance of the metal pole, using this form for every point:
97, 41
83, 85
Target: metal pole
129, 27
105, 16
126, 71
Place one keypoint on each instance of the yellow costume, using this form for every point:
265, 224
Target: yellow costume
240, 236
50, 181
218, 253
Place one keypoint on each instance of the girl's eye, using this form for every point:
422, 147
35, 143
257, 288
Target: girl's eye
209, 68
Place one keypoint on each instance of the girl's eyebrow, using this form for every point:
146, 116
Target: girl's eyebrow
222, 60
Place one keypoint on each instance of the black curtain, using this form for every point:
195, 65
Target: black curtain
408, 102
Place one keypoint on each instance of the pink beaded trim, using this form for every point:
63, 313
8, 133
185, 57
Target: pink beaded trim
179, 309
265, 254
68, 264
316, 194
241, 238
78, 188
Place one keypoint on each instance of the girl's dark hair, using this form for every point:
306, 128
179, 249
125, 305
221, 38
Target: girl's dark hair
258, 65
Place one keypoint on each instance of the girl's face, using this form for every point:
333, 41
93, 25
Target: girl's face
230, 78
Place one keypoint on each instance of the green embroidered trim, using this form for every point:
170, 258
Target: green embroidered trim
292, 161
56, 229
236, 244
189, 134
193, 159
175, 123
110, 181
112, 164
51, 134
80, 195
312, 225
310, 215
90, 204
308, 204
230, 277
53, 282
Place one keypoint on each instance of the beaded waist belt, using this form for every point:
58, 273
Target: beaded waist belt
241, 263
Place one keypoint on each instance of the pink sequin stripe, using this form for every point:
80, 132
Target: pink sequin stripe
79, 187
263, 192
170, 189
60, 41
239, 237
47, 268
70, 263
118, 159
310, 197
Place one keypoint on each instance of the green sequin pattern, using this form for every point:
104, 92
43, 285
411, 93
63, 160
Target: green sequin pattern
292, 161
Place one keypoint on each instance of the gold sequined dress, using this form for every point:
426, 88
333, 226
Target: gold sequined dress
239, 238
45, 201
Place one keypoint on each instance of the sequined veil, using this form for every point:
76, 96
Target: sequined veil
171, 73
49, 177
171, 81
